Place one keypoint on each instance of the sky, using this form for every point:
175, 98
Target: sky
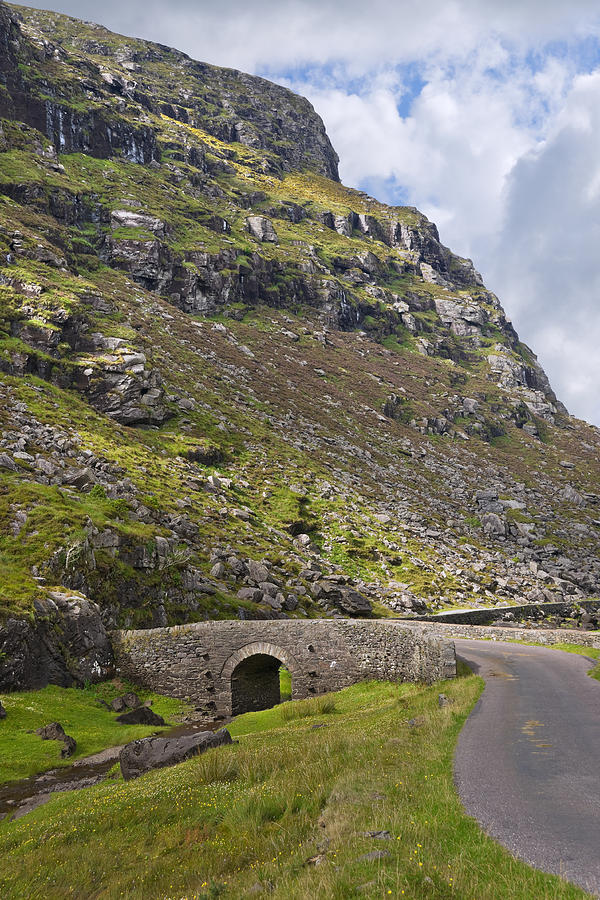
485, 114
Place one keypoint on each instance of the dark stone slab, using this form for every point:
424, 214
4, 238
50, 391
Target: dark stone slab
141, 716
157, 752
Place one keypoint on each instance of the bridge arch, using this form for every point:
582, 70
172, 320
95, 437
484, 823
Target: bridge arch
251, 676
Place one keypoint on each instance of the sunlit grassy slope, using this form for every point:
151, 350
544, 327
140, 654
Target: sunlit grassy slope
286, 813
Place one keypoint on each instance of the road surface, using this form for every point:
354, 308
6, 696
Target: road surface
527, 764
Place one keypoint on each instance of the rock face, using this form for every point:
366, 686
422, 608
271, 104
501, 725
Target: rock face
249, 110
262, 229
66, 644
156, 752
69, 128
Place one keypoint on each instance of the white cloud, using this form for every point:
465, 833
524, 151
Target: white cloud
453, 151
546, 263
300, 32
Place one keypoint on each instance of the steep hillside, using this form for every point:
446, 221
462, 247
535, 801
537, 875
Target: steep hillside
232, 386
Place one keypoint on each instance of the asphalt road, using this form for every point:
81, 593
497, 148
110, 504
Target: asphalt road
527, 763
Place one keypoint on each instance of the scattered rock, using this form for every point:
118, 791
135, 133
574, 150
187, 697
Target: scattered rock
141, 716
354, 604
316, 860
55, 732
290, 603
493, 524
6, 462
257, 572
131, 700
81, 479
69, 746
236, 565
255, 595
570, 495
52, 732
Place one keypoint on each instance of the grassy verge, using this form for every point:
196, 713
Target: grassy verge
23, 753
284, 814
590, 652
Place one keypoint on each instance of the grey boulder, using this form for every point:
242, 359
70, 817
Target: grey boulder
52, 732
131, 700
157, 752
354, 604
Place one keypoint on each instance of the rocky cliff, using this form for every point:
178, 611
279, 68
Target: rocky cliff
232, 386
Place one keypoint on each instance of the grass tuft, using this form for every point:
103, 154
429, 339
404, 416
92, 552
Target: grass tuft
315, 706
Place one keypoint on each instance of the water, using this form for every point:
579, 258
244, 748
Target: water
17, 798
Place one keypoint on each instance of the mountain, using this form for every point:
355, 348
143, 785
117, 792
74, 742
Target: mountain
232, 386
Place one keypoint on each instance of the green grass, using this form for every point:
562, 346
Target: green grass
590, 652
256, 817
312, 706
23, 753
285, 684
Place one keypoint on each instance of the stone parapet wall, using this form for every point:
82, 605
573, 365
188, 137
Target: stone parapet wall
196, 662
533, 611
547, 636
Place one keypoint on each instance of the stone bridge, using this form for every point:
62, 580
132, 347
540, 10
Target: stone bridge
229, 667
